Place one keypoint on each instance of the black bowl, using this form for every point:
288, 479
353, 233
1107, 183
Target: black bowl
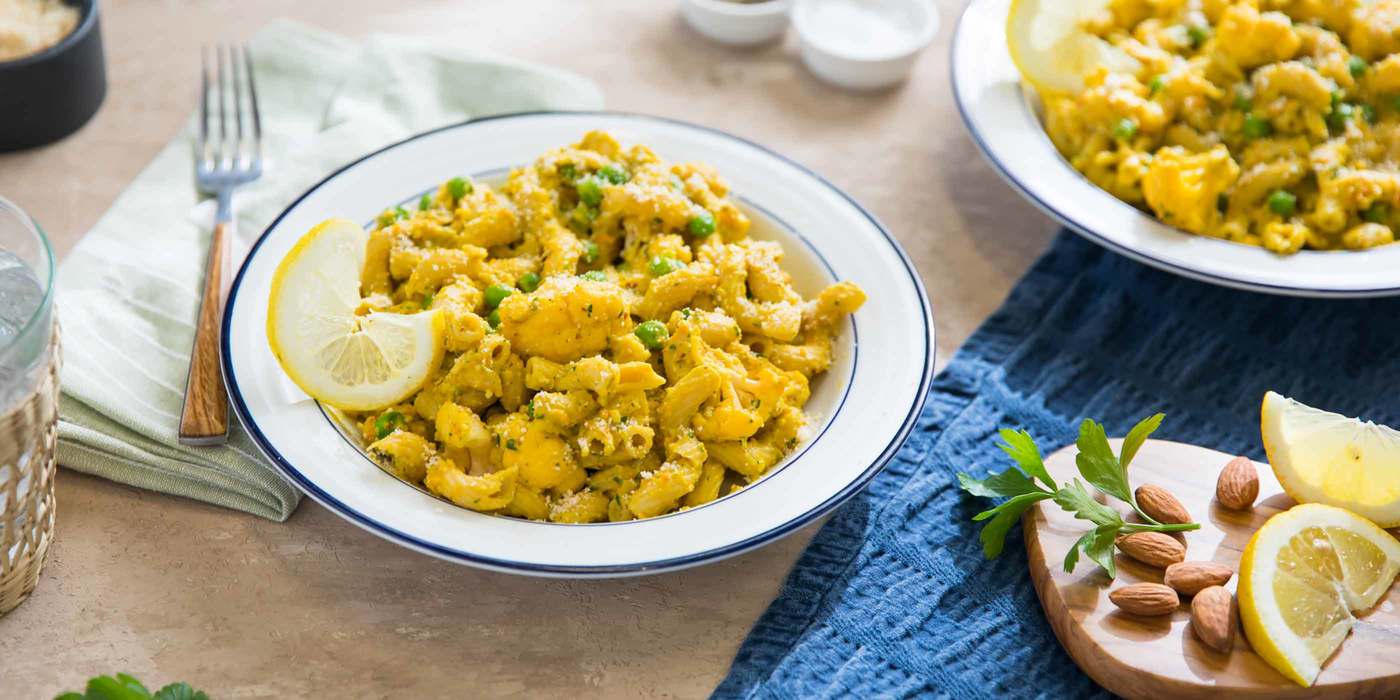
48, 95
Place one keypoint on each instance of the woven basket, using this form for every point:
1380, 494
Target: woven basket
31, 428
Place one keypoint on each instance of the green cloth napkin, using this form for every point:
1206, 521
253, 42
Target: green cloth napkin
129, 292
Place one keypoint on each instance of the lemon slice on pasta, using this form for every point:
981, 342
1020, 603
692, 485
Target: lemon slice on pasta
1051, 48
350, 360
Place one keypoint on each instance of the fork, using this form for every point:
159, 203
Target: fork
221, 166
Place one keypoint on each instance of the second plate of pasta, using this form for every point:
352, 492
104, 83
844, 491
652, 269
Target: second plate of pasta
589, 419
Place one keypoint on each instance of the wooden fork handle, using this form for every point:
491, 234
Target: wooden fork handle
204, 418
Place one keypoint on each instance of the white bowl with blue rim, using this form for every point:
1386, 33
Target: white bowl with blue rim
862, 409
1003, 117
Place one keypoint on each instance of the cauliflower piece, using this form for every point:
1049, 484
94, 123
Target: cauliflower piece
565, 319
1183, 187
1251, 38
1368, 235
1375, 29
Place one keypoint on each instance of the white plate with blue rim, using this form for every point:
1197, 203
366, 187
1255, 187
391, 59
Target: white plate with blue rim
1003, 119
862, 409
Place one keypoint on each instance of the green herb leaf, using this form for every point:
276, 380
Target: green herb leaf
1002, 519
109, 688
1012, 482
1138, 435
1100, 548
1021, 448
179, 691
1077, 499
1097, 463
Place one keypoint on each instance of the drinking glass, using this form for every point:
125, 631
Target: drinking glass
29, 360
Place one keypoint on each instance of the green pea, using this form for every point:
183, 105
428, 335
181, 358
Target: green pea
1125, 129
1256, 128
1339, 116
1156, 84
568, 173
425, 202
1369, 114
387, 423
494, 318
1283, 203
458, 188
400, 213
662, 265
528, 282
1198, 35
702, 224
497, 293
595, 275
590, 191
1357, 66
590, 251
1377, 213
653, 334
614, 174
386, 218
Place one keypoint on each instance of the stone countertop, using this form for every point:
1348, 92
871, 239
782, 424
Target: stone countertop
170, 589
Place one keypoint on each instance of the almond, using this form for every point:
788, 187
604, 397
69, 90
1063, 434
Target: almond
1149, 599
1238, 484
1160, 505
1213, 617
1152, 548
1191, 577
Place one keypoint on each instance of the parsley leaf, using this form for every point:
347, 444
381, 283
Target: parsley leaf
1097, 463
1021, 447
1136, 437
1077, 499
179, 691
1002, 519
1012, 482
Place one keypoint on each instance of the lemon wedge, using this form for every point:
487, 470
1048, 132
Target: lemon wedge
1051, 49
353, 361
1322, 457
1302, 575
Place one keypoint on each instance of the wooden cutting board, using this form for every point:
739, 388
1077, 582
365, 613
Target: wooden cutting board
1140, 657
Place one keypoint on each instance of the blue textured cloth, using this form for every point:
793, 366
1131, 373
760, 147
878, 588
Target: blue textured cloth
893, 597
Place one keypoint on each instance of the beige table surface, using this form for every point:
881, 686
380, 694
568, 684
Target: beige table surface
171, 589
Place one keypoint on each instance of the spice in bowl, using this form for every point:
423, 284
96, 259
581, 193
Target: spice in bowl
30, 26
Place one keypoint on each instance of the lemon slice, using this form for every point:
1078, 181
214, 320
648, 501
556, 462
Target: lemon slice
1322, 457
1051, 49
355, 362
1302, 575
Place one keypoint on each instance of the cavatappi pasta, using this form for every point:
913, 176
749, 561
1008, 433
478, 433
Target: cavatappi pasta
1274, 123
617, 346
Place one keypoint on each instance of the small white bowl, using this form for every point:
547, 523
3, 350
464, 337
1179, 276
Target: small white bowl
737, 23
863, 44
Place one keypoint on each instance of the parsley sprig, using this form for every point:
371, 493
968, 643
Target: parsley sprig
1097, 464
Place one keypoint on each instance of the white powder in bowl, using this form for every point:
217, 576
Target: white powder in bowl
30, 26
